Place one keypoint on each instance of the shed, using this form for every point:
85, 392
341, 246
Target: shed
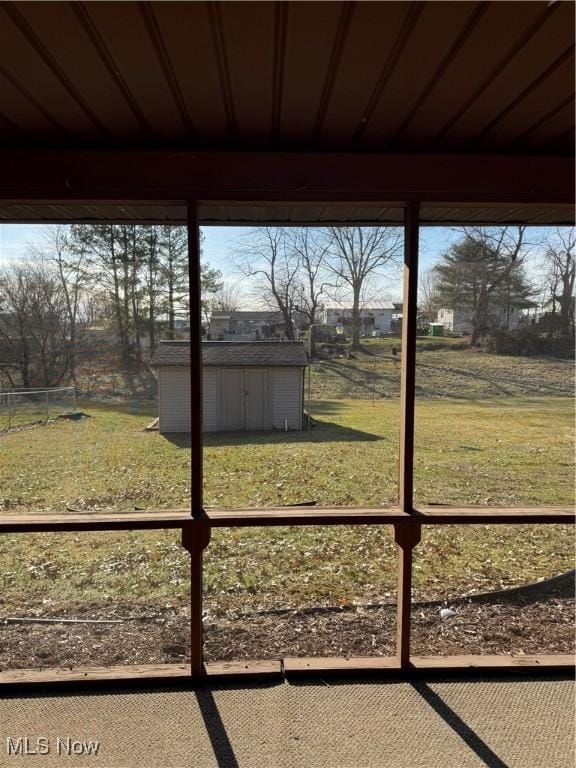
247, 385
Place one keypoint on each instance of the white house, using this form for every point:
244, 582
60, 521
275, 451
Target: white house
247, 385
375, 316
459, 321
250, 325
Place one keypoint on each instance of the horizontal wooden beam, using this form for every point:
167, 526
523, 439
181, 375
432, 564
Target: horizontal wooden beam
242, 176
427, 664
275, 669
141, 674
270, 516
438, 515
95, 521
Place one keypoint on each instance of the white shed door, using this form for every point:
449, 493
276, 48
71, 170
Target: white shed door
256, 411
232, 399
245, 402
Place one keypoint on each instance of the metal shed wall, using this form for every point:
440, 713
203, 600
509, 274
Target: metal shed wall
174, 398
287, 397
286, 384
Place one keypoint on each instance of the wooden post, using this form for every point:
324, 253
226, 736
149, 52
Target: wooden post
406, 538
408, 371
195, 360
195, 537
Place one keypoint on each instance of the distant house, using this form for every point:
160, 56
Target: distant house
459, 321
377, 316
246, 385
248, 325
456, 321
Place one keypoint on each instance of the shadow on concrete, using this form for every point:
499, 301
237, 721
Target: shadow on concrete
462, 729
216, 730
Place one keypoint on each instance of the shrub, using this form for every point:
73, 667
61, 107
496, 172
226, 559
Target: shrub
528, 342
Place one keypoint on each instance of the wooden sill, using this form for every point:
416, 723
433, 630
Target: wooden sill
269, 516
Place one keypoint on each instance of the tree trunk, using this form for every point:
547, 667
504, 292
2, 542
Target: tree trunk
356, 319
171, 313
480, 318
121, 330
151, 302
25, 368
565, 315
287, 315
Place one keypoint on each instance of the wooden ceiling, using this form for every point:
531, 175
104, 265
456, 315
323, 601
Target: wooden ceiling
332, 79
442, 77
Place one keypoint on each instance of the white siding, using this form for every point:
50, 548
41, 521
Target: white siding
446, 318
174, 398
382, 317
455, 320
287, 397
210, 399
383, 320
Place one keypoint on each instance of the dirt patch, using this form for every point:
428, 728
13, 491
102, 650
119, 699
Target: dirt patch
160, 634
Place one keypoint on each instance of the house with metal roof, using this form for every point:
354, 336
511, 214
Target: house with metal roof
376, 316
247, 385
251, 325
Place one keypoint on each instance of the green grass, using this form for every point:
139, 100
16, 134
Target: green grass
446, 368
22, 409
508, 451
504, 451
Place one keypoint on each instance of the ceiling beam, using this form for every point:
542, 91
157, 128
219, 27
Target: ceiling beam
180, 176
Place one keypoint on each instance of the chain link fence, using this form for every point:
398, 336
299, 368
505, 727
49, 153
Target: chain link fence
21, 407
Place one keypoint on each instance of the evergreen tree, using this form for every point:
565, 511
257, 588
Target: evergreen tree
483, 275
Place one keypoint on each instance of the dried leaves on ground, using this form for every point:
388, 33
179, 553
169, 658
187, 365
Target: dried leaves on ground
160, 634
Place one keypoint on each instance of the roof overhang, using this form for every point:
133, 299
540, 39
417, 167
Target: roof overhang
283, 188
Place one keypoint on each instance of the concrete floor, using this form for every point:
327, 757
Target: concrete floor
314, 724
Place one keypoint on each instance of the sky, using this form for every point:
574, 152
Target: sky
218, 242
218, 248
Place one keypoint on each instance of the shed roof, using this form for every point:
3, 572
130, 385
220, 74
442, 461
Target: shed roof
261, 353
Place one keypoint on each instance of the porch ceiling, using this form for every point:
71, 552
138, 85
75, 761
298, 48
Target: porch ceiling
487, 77
425, 80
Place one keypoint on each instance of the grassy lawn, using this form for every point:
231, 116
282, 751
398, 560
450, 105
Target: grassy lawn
509, 451
500, 450
446, 368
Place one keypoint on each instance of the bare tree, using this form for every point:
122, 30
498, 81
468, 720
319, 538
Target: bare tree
264, 255
428, 300
15, 346
311, 248
33, 325
70, 262
227, 299
560, 270
358, 254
